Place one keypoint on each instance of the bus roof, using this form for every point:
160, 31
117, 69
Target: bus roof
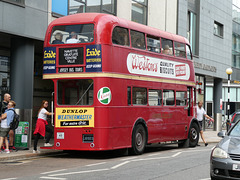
105, 22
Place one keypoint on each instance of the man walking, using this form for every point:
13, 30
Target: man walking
200, 113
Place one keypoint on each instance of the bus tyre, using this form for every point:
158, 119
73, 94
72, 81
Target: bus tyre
193, 135
183, 143
139, 140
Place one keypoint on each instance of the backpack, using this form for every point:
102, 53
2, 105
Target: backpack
15, 122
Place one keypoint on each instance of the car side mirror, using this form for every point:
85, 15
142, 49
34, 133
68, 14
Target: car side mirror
222, 134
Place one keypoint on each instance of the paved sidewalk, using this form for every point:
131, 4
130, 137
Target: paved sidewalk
209, 135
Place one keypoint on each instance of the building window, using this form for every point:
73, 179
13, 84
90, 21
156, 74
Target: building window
192, 31
218, 29
236, 50
236, 11
59, 7
17, 2
139, 11
67, 7
77, 6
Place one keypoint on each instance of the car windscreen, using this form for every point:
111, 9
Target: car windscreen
236, 118
68, 34
236, 130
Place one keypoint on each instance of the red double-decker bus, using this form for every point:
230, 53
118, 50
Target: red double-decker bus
118, 84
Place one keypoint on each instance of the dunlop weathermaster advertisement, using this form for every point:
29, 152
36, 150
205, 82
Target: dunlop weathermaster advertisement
74, 117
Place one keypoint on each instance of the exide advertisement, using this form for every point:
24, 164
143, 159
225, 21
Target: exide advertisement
49, 60
93, 58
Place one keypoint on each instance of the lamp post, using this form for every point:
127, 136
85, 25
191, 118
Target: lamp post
229, 72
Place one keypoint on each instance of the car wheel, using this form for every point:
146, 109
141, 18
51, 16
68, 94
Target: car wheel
193, 135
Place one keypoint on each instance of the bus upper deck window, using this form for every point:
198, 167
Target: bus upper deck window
167, 46
189, 53
179, 49
120, 36
138, 40
79, 33
153, 44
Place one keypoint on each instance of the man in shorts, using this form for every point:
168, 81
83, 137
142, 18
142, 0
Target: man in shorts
6, 119
200, 113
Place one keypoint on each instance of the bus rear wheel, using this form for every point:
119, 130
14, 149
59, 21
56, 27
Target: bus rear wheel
193, 135
139, 140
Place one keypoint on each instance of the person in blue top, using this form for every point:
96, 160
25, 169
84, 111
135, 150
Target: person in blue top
6, 119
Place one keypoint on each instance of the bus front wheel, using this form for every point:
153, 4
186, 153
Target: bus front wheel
139, 140
193, 135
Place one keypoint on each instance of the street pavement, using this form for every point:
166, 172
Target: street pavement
209, 135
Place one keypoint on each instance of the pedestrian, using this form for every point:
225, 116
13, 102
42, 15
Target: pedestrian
200, 113
6, 118
41, 126
6, 99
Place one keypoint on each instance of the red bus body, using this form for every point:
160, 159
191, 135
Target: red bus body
112, 124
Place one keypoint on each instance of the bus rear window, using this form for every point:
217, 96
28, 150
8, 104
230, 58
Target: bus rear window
80, 33
75, 92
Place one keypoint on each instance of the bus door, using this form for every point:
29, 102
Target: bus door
181, 115
52, 109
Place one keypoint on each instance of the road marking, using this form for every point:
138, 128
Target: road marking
80, 172
147, 159
114, 167
9, 179
205, 179
128, 158
156, 154
47, 177
53, 171
176, 154
95, 164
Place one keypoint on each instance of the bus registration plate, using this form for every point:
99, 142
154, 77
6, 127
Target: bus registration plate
87, 138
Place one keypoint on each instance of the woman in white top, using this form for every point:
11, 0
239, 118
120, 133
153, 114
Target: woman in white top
41, 126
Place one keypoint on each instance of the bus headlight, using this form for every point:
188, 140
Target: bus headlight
219, 153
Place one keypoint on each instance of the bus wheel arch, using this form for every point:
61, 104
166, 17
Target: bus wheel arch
139, 137
193, 134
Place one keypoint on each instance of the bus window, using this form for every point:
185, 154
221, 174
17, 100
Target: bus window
168, 98
167, 46
154, 97
138, 40
129, 95
120, 36
179, 49
181, 98
153, 44
80, 33
189, 54
139, 96
75, 92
